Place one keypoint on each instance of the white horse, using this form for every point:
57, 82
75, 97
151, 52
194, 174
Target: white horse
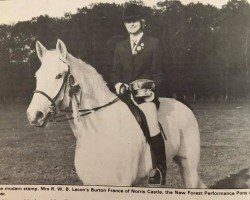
111, 148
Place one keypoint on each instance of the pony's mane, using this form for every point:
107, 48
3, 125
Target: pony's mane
90, 81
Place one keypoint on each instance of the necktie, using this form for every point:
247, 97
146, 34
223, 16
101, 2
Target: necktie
133, 44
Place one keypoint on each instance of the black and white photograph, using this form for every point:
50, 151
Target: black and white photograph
136, 94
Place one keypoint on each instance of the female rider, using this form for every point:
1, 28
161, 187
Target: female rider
139, 57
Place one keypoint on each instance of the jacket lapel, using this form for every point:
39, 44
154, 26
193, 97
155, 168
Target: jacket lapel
127, 46
127, 53
142, 44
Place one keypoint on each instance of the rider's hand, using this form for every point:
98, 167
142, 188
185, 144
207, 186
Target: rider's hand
121, 88
151, 97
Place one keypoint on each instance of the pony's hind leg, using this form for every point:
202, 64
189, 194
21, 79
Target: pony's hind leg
201, 184
189, 156
189, 171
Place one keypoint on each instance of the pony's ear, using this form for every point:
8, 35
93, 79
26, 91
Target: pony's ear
40, 50
61, 47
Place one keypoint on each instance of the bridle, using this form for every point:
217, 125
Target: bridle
68, 79
53, 108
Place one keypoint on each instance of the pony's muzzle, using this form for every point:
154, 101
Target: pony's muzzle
36, 118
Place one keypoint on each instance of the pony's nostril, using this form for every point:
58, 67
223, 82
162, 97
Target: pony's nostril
39, 115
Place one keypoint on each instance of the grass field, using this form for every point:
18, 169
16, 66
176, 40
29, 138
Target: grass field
30, 155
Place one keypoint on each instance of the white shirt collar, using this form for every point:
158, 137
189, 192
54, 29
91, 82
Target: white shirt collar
135, 38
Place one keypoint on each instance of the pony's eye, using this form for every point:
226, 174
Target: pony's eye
59, 76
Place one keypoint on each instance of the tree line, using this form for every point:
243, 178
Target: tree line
206, 48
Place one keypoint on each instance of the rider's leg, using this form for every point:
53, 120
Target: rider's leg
158, 174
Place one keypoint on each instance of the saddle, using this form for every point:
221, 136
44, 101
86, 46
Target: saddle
140, 116
138, 90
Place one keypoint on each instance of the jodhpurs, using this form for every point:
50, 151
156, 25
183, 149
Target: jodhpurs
150, 111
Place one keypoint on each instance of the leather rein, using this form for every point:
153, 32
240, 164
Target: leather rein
54, 111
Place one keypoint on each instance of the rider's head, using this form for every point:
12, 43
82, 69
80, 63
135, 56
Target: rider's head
133, 19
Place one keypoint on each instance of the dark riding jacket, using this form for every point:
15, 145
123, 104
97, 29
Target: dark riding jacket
145, 64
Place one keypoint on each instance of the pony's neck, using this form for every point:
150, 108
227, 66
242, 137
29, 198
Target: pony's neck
94, 91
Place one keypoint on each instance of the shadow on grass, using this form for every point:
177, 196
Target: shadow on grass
240, 180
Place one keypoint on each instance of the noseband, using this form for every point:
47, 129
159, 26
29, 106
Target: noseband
53, 100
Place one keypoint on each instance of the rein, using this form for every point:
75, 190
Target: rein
53, 107
86, 111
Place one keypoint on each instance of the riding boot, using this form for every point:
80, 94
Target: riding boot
157, 175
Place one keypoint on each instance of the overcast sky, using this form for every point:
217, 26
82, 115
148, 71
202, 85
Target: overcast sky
12, 11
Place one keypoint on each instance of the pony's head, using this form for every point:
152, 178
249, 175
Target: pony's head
51, 83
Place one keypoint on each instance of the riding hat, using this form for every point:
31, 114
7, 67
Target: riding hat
132, 12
